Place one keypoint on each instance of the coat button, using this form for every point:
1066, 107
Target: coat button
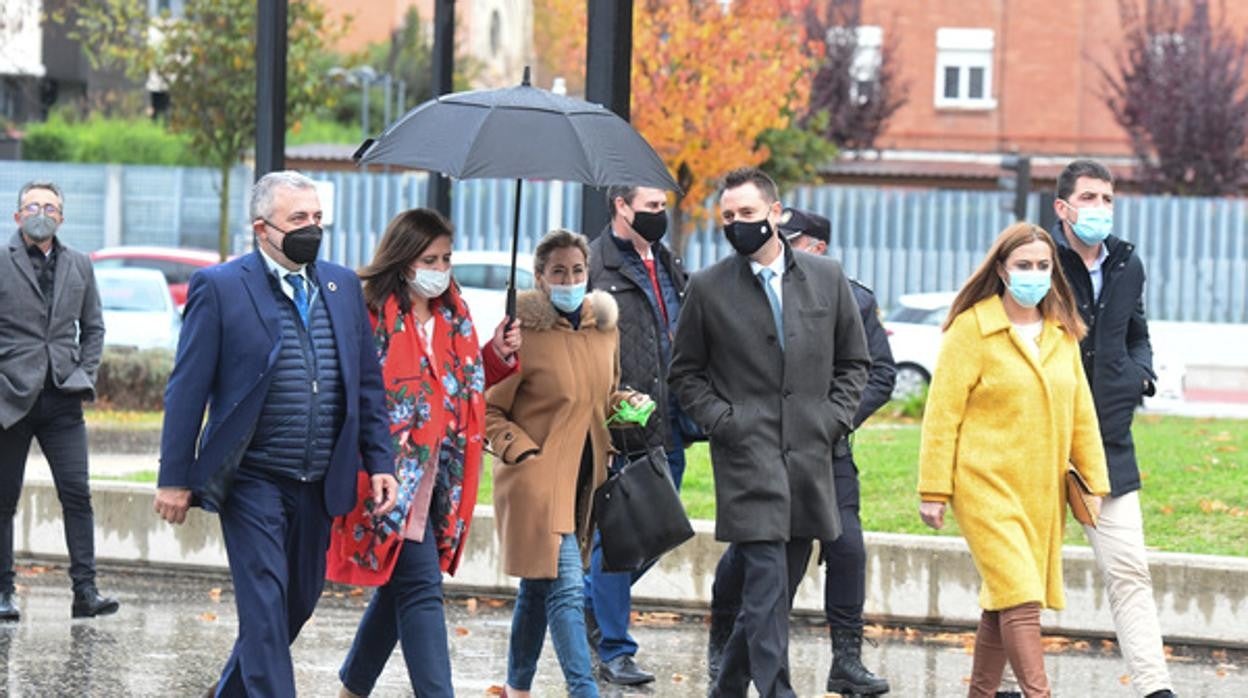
788, 393
771, 339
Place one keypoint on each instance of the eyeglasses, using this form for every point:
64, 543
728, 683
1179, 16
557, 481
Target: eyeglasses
48, 209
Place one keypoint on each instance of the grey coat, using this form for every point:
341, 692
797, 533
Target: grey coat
72, 339
772, 415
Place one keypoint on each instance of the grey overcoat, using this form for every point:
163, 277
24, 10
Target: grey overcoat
772, 415
72, 339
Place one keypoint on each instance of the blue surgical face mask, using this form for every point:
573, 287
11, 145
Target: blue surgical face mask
1029, 287
1094, 224
567, 298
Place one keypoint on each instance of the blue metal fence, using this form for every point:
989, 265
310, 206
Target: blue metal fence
895, 240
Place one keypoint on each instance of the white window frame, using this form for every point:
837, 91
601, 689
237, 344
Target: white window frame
868, 56
964, 49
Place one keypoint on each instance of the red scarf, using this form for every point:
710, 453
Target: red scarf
437, 422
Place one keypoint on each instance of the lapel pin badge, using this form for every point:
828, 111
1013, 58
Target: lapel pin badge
331, 286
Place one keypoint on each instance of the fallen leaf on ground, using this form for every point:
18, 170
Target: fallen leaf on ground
1124, 679
215, 593
356, 591
678, 678
461, 631
495, 690
471, 604
208, 617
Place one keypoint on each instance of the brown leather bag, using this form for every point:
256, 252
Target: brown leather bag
1079, 496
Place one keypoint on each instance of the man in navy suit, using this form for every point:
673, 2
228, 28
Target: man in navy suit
278, 348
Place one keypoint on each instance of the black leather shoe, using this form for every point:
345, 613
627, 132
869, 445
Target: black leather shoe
623, 671
8, 608
848, 676
1163, 693
89, 604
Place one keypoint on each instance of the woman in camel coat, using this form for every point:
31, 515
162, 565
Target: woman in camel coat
547, 428
1008, 411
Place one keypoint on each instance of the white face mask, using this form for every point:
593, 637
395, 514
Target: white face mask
430, 283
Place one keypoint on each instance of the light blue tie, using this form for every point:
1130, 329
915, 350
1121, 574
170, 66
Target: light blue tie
301, 296
777, 314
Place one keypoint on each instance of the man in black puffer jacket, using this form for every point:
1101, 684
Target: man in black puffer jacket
629, 261
1107, 278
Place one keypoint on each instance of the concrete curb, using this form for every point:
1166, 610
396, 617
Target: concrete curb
1202, 599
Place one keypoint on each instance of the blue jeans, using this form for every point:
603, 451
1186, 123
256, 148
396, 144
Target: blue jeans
407, 610
558, 603
610, 593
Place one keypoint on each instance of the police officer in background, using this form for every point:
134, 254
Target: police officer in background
846, 557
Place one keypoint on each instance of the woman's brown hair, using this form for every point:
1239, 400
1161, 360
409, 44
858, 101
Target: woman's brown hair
407, 237
1058, 304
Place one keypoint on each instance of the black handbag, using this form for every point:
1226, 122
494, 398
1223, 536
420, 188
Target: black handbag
639, 514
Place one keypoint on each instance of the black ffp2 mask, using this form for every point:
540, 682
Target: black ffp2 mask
301, 245
746, 237
650, 225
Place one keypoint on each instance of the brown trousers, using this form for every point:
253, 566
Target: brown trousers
1013, 634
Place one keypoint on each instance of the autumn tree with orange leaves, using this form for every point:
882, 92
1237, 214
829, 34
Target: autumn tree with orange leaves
706, 81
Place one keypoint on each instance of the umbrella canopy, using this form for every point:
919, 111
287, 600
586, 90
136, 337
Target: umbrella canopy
521, 132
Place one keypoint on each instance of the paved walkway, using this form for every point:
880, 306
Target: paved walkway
174, 632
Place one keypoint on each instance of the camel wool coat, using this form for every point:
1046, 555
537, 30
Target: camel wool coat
999, 430
558, 401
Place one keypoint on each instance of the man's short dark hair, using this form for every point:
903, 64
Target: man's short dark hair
626, 192
751, 175
1080, 168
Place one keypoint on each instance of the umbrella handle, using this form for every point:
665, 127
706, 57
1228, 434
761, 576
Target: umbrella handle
511, 304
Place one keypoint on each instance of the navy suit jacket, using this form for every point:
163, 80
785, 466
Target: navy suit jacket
231, 335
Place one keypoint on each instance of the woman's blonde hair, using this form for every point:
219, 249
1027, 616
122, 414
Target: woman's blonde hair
1058, 304
555, 240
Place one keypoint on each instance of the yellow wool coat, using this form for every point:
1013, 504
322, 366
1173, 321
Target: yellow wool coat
555, 406
999, 430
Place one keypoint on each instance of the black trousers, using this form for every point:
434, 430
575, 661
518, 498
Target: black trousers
276, 534
844, 588
56, 421
764, 576
845, 579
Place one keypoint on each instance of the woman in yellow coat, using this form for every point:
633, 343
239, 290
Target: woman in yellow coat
1008, 411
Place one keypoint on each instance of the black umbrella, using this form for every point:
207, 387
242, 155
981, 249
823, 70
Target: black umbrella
519, 133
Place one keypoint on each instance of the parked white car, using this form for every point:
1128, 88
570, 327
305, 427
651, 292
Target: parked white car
138, 309
913, 328
482, 277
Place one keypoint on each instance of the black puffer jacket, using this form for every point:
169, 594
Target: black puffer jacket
643, 366
1117, 354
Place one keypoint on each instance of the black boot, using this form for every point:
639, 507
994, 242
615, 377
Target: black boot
8, 607
721, 628
88, 604
848, 675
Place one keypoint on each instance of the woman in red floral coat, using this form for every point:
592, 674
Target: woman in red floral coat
434, 376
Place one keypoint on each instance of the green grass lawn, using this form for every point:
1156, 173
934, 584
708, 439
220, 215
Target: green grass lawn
1195, 495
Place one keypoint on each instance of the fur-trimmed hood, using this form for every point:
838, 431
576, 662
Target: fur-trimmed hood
535, 311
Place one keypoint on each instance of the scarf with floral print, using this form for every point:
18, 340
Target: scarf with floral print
437, 419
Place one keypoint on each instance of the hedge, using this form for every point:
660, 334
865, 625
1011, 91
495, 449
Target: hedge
131, 379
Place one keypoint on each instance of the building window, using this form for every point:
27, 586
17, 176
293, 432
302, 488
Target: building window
964, 69
496, 33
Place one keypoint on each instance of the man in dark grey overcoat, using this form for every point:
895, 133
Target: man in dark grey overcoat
51, 340
770, 360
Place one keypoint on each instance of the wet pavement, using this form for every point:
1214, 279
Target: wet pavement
175, 630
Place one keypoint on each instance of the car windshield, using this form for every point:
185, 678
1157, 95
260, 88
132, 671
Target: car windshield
917, 316
133, 295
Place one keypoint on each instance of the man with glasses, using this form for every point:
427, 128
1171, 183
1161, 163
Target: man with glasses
51, 338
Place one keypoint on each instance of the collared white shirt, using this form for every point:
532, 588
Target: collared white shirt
280, 272
777, 271
1096, 274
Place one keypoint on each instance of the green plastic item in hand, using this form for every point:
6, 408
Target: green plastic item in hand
627, 413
